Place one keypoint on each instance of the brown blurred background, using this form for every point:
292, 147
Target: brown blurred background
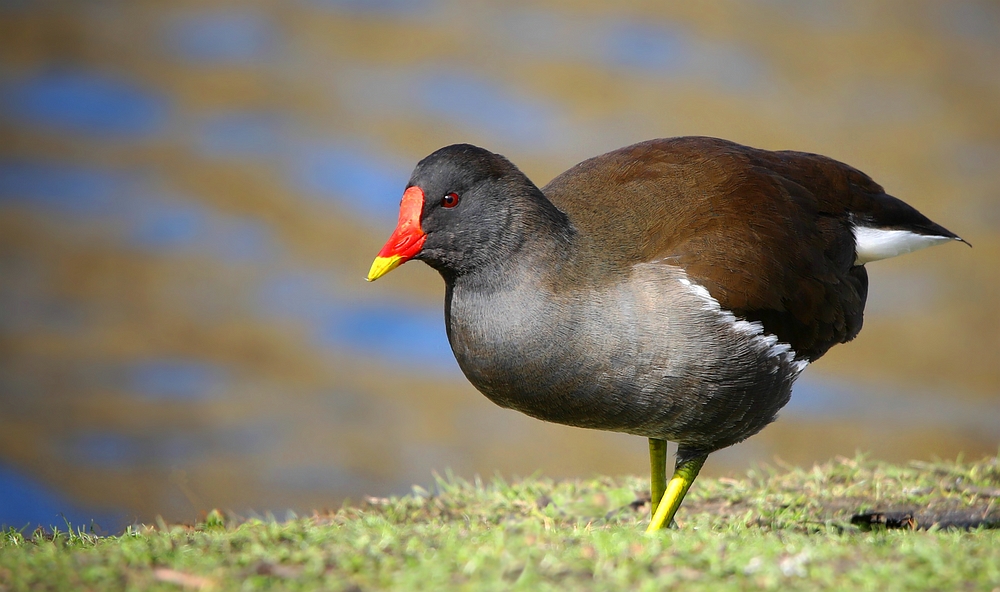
191, 194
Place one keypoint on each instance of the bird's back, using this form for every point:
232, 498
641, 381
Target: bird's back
770, 235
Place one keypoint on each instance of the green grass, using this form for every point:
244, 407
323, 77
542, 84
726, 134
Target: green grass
774, 529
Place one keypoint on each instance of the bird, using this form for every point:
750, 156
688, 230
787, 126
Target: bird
673, 289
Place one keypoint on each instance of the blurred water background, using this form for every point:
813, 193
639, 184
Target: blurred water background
191, 194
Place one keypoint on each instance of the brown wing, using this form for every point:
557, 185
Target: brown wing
769, 234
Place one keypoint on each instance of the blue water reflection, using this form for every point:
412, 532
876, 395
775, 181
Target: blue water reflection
673, 52
148, 219
296, 294
381, 8
176, 224
78, 101
974, 20
816, 397
387, 331
361, 180
316, 477
489, 108
648, 48
172, 223
168, 226
828, 15
166, 223
177, 380
229, 37
115, 450
26, 503
392, 332
64, 188
28, 304
241, 135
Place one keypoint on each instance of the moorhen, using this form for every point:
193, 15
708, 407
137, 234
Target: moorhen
672, 289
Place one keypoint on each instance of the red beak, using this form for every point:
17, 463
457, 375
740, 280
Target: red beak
408, 238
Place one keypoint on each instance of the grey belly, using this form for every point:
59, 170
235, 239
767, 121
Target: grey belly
706, 395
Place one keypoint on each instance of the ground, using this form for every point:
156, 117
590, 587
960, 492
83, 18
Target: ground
828, 527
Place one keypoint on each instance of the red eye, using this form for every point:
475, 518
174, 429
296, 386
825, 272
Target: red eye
449, 201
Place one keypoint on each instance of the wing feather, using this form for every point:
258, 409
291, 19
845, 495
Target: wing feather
770, 235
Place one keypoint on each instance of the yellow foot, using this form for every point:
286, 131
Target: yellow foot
684, 476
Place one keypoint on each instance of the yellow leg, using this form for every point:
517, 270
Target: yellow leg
657, 471
684, 476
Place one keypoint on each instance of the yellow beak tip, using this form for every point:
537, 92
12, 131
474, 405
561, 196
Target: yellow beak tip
382, 266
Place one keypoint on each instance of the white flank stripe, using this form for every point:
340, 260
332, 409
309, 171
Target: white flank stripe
754, 330
873, 244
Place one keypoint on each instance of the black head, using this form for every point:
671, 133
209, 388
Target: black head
475, 209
